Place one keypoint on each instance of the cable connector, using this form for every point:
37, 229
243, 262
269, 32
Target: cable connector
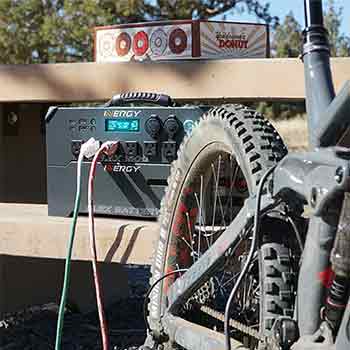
110, 147
90, 148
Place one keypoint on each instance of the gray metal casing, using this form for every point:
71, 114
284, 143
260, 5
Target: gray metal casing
136, 194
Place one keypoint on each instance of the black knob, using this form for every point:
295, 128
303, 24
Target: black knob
153, 126
172, 126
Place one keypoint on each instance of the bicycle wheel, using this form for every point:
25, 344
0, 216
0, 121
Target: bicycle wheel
219, 165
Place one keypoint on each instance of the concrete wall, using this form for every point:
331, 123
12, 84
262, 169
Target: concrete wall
22, 154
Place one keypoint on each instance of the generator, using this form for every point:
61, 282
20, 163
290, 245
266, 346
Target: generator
130, 182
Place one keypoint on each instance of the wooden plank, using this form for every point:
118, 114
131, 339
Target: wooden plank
250, 79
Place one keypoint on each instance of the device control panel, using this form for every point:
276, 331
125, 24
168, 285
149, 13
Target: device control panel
145, 135
132, 180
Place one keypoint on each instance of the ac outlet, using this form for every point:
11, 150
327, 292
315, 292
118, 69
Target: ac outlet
150, 148
169, 149
131, 148
75, 147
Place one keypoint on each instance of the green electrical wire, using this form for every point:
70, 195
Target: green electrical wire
66, 280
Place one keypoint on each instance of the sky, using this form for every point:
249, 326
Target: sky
281, 8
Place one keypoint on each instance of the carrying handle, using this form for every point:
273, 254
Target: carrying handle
147, 97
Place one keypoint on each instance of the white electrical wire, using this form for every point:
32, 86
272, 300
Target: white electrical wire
88, 149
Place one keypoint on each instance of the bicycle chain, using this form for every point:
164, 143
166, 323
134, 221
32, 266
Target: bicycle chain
235, 324
202, 295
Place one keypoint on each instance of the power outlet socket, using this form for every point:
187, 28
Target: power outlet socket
150, 148
75, 147
131, 148
169, 149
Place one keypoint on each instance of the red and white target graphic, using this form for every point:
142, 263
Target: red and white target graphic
178, 41
122, 44
158, 42
106, 44
140, 43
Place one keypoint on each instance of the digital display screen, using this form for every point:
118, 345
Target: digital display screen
123, 125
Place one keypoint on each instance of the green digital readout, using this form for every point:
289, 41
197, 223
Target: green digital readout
123, 125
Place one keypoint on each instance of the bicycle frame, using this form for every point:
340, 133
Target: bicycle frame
318, 178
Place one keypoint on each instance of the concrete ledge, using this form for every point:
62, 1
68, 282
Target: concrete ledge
27, 230
33, 247
240, 79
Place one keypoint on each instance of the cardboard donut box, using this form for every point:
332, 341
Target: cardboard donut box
183, 39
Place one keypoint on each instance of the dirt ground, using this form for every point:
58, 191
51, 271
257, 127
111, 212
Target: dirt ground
35, 327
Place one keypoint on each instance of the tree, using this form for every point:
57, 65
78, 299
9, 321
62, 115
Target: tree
42, 31
287, 38
34, 31
340, 44
286, 42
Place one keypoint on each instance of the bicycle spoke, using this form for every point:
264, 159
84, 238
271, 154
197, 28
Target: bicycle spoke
232, 186
190, 234
215, 197
220, 203
201, 204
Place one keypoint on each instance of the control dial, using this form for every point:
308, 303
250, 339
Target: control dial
172, 126
153, 126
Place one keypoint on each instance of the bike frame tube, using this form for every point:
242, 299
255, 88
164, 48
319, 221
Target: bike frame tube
319, 94
318, 77
195, 337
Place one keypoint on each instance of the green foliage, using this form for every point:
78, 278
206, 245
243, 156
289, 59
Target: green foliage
45, 31
38, 31
278, 110
288, 38
340, 44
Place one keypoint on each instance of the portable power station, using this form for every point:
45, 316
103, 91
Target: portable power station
132, 181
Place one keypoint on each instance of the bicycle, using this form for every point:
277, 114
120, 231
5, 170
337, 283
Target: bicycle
238, 264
